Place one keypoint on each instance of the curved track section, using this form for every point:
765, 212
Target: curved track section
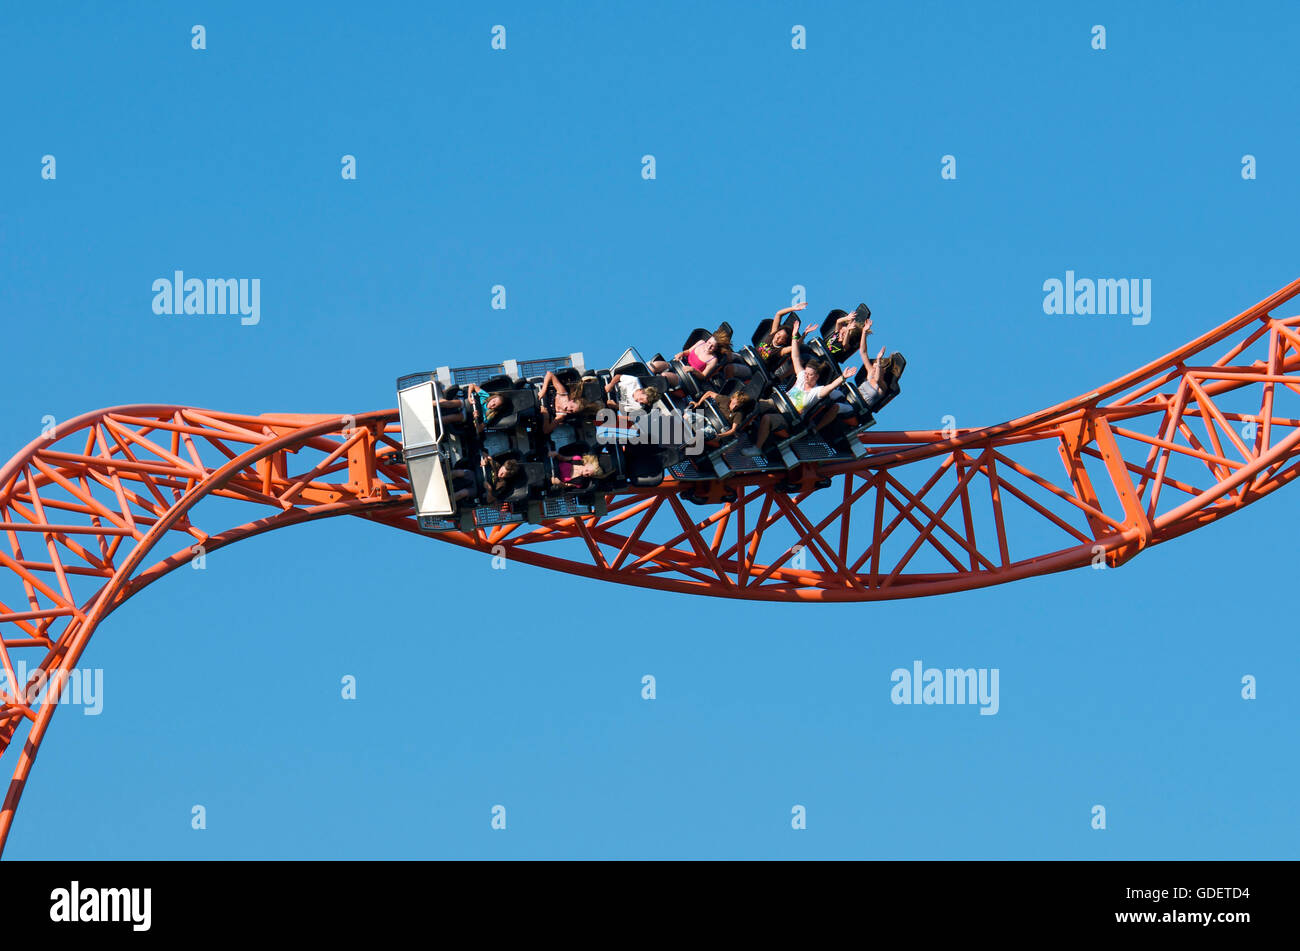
99, 508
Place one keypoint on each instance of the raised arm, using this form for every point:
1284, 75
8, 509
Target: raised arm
835, 384
552, 381
862, 348
776, 319
794, 357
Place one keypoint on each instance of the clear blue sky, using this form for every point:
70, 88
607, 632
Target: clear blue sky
523, 168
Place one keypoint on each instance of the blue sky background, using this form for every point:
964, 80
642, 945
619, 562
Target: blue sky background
522, 167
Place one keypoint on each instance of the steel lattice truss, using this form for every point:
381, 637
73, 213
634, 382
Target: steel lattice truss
105, 504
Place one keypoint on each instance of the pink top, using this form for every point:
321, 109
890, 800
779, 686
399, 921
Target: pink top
696, 363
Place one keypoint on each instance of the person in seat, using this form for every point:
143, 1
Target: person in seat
702, 360
735, 409
731, 365
477, 406
870, 387
631, 394
576, 472
844, 336
775, 346
805, 395
557, 406
502, 477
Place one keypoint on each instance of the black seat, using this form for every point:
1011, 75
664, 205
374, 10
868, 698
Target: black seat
518, 487
644, 465
472, 481
861, 314
765, 325
755, 387
698, 334
821, 354
890, 377
523, 405
828, 322
899, 364
690, 384
889, 387
584, 440
534, 484
658, 382
495, 384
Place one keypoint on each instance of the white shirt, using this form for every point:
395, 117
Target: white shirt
627, 385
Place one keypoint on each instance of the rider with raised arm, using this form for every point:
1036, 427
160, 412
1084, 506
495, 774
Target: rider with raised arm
560, 405
775, 345
804, 394
870, 387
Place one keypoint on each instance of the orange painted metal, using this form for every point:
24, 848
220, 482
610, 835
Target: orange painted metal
107, 503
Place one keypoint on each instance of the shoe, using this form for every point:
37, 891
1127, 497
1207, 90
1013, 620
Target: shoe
751, 451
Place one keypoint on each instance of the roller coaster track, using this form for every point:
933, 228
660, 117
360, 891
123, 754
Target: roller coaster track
101, 506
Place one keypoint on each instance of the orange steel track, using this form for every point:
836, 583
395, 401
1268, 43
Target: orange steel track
1166, 449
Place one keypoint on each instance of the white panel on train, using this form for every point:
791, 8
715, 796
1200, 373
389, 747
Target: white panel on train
629, 356
429, 484
419, 418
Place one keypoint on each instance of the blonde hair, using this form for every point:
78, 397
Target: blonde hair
651, 395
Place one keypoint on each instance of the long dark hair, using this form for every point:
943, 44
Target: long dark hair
744, 403
502, 411
501, 485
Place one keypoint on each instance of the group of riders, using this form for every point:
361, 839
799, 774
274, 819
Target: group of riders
738, 385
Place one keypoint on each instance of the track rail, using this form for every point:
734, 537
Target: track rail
94, 511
